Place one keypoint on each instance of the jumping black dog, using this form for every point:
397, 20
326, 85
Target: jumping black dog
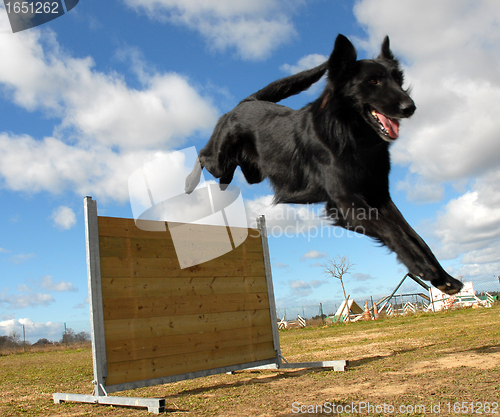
334, 150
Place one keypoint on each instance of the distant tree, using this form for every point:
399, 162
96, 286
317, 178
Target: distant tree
69, 337
15, 337
6, 342
82, 337
43, 342
337, 268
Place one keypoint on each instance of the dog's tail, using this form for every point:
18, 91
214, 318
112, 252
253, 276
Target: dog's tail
289, 86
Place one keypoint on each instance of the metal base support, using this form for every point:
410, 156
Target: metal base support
154, 405
339, 365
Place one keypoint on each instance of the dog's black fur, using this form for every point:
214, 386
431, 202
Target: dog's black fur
334, 150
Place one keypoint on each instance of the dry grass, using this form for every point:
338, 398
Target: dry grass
427, 360
43, 348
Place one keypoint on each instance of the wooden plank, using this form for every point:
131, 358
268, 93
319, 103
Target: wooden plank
144, 369
155, 347
120, 247
133, 247
142, 328
161, 268
120, 227
170, 287
130, 308
203, 232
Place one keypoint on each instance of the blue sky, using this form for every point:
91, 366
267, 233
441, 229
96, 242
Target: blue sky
93, 95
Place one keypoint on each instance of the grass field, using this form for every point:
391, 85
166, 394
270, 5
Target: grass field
430, 364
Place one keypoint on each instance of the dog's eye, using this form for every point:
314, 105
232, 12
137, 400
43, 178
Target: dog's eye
374, 81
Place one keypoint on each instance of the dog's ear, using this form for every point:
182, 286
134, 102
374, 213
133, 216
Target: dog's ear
343, 55
385, 51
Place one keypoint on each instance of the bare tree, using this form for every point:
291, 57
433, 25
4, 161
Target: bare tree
337, 268
15, 337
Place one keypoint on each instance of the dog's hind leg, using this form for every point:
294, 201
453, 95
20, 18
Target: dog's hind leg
193, 179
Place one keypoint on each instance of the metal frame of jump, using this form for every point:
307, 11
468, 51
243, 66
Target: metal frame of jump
157, 405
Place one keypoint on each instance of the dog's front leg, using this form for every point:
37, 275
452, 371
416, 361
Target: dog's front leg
388, 226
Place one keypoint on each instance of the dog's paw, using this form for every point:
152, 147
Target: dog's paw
450, 286
223, 187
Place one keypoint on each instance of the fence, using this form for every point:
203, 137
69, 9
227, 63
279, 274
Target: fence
410, 293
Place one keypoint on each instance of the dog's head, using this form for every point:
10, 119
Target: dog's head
373, 88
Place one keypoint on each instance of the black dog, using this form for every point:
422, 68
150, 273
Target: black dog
334, 150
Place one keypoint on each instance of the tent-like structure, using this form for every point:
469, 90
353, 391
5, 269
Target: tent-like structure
342, 311
465, 298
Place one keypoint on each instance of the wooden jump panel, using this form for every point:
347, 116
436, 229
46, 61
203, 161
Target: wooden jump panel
140, 370
161, 320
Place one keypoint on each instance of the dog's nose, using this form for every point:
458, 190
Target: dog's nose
408, 108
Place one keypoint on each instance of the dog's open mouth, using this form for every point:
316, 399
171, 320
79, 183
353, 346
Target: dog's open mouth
389, 128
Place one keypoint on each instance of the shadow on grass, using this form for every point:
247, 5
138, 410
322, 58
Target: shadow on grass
365, 361
260, 378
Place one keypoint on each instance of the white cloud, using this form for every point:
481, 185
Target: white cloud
64, 217
299, 285
47, 283
25, 300
285, 219
419, 190
23, 288
305, 63
85, 304
302, 288
358, 276
28, 164
253, 28
100, 106
313, 254
451, 51
106, 129
34, 331
28, 297
21, 257
315, 283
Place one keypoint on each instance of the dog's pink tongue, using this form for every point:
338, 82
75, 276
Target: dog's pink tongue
391, 125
